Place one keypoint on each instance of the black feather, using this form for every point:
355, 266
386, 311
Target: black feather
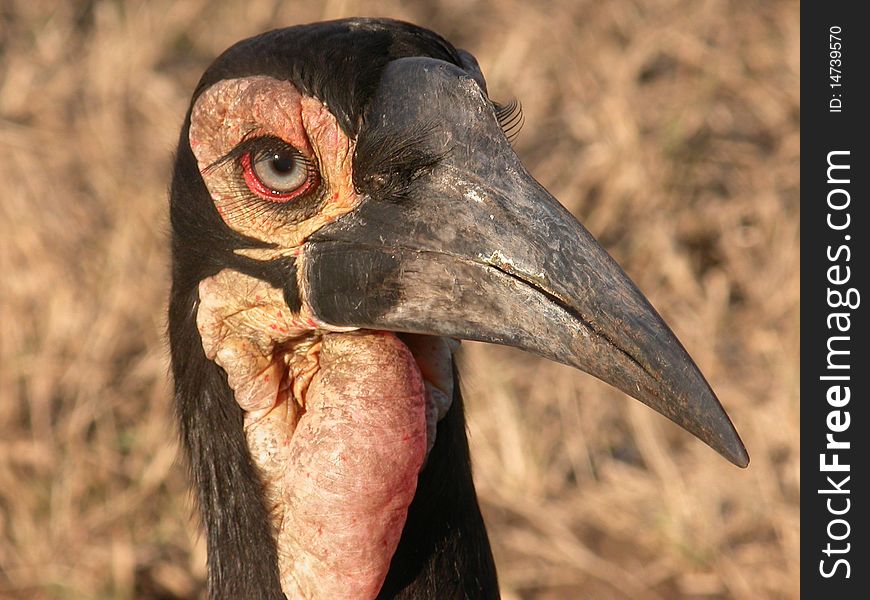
444, 551
339, 62
385, 164
242, 557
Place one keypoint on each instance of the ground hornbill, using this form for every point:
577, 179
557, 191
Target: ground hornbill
346, 205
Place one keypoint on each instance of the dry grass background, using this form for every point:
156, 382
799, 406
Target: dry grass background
670, 127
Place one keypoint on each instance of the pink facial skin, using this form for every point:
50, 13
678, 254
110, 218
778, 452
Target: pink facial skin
344, 479
336, 423
233, 109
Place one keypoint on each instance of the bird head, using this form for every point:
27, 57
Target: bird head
355, 176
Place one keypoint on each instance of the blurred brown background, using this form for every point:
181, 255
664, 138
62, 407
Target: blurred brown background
670, 127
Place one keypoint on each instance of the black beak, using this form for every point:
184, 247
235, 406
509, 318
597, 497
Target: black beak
473, 247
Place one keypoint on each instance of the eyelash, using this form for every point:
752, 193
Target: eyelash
246, 153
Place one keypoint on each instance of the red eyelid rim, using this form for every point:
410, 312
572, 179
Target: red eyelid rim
261, 190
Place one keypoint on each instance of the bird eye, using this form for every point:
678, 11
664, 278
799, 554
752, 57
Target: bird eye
278, 175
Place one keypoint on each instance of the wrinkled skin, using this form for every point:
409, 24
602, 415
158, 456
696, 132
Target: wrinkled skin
339, 424
344, 478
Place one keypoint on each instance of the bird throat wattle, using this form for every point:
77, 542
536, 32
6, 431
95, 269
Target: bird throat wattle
339, 424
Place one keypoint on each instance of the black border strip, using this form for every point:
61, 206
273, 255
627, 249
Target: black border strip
834, 263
